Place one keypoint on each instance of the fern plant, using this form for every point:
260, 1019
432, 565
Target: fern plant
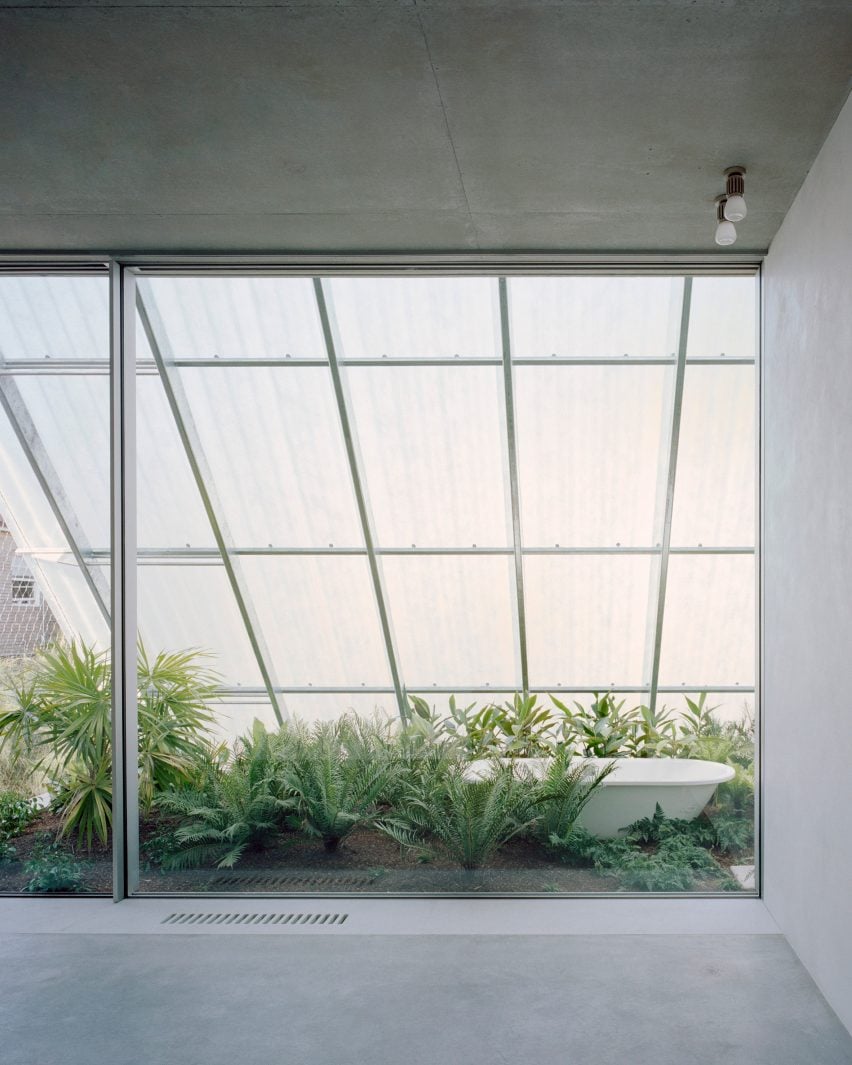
471, 818
560, 797
333, 790
236, 808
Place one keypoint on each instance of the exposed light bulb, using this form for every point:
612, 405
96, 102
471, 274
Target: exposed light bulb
735, 209
735, 205
726, 232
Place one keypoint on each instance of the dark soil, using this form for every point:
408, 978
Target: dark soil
366, 862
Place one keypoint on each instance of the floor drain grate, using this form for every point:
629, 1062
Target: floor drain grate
277, 881
255, 918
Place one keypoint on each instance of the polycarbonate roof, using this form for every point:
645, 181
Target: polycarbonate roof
425, 483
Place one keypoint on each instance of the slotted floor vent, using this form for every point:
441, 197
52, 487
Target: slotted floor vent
273, 881
255, 918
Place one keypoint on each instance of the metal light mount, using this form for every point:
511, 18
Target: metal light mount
735, 208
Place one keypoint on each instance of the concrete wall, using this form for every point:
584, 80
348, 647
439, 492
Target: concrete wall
807, 696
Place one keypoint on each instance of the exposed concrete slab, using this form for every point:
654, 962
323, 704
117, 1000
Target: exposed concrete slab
70, 1000
387, 125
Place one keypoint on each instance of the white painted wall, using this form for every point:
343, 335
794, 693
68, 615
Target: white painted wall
808, 571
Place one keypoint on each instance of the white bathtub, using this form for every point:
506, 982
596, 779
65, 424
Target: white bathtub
682, 787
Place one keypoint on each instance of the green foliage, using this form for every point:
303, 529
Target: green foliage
52, 869
559, 798
58, 714
470, 818
601, 730
334, 781
16, 813
234, 808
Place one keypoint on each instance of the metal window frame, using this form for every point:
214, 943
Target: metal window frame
122, 367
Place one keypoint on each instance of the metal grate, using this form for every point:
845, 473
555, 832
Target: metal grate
288, 881
255, 918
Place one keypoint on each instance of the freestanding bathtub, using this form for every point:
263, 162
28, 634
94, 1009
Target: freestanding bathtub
682, 787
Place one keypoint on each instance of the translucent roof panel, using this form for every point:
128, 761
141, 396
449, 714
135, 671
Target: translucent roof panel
319, 619
235, 715
453, 619
591, 442
415, 317
587, 619
723, 318
70, 415
328, 706
709, 621
169, 510
594, 317
714, 501
432, 441
71, 600
181, 607
274, 447
236, 317
726, 706
55, 317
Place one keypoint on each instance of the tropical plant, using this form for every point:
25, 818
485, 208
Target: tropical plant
653, 733
60, 716
333, 790
52, 869
471, 818
601, 730
234, 808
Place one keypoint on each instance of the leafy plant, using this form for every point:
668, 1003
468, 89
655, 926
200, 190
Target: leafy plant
60, 715
471, 818
16, 813
601, 730
652, 733
52, 869
235, 808
332, 790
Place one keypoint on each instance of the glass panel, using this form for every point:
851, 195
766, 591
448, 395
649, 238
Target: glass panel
319, 618
708, 628
595, 317
432, 441
235, 715
723, 318
70, 414
592, 443
725, 708
453, 619
587, 618
169, 510
192, 607
416, 318
714, 501
331, 706
56, 317
55, 671
237, 317
276, 456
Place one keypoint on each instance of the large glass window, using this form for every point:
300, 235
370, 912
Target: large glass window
422, 538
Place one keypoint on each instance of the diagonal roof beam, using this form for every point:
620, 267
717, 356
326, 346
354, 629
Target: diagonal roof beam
202, 474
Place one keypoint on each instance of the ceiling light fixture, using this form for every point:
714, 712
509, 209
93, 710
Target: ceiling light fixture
735, 207
726, 232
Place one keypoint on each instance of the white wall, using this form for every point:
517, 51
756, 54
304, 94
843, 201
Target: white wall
807, 696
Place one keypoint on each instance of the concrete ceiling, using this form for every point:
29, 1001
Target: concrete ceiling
409, 125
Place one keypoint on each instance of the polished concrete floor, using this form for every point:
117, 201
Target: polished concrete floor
70, 999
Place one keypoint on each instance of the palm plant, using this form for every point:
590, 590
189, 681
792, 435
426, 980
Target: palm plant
59, 714
333, 789
471, 818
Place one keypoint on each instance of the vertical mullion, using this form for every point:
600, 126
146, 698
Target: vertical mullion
212, 506
509, 405
674, 440
328, 331
125, 787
